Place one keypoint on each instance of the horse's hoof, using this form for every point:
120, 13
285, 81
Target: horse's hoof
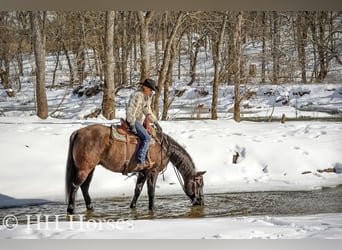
90, 206
132, 206
70, 209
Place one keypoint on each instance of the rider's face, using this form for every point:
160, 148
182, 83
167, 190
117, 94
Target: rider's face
148, 91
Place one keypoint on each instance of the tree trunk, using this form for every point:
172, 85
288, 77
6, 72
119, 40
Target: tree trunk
264, 38
275, 47
4, 50
117, 50
38, 36
323, 67
108, 102
80, 49
230, 52
55, 69
71, 68
217, 59
193, 58
314, 44
144, 20
125, 51
301, 41
168, 81
238, 41
166, 60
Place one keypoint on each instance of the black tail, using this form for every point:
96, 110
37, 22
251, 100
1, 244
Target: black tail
70, 168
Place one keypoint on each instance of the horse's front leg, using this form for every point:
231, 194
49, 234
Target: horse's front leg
138, 187
151, 187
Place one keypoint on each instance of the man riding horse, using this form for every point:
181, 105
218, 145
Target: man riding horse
139, 104
94, 145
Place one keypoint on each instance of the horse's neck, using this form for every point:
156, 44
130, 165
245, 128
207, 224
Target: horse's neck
180, 158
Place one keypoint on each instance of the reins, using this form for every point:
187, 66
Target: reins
179, 177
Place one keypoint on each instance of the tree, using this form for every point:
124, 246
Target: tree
217, 50
5, 50
264, 39
301, 42
238, 45
144, 18
108, 102
166, 60
124, 49
38, 19
275, 46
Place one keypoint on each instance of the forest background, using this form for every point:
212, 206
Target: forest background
119, 48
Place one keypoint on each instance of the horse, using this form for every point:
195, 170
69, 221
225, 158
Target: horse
94, 145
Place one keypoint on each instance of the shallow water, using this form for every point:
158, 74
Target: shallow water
178, 206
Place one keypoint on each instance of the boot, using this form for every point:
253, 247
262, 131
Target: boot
141, 166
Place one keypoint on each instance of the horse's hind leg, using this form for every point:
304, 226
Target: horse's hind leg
78, 180
138, 187
85, 191
72, 196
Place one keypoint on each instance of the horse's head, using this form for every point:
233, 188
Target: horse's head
194, 188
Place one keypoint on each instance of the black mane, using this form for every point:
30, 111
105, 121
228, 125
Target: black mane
178, 156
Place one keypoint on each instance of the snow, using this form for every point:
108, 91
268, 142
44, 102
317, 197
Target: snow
327, 226
272, 156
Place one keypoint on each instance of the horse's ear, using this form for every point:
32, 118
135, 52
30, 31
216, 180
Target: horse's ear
200, 173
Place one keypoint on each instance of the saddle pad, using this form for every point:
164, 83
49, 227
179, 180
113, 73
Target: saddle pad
116, 135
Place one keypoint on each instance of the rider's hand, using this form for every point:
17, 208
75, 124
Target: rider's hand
159, 129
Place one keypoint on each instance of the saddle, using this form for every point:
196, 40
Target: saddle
123, 133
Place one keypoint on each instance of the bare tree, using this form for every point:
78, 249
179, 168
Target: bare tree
38, 38
144, 18
193, 58
238, 46
275, 46
5, 49
125, 47
108, 102
166, 58
217, 58
263, 39
301, 43
168, 81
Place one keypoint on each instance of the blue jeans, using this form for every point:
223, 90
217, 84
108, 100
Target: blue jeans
144, 142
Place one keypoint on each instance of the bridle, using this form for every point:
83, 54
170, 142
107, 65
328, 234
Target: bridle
196, 181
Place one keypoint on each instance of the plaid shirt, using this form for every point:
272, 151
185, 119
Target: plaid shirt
138, 105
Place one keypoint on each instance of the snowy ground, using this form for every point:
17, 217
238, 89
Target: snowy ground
322, 226
273, 156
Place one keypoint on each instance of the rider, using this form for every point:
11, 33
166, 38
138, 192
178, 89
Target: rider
139, 104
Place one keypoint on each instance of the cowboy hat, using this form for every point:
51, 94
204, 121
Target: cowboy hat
150, 84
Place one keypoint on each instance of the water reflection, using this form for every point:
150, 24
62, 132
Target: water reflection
196, 212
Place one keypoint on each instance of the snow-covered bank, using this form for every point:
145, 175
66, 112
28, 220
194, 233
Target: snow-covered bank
272, 156
321, 226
